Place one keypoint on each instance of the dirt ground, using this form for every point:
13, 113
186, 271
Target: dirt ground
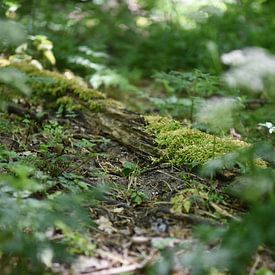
139, 219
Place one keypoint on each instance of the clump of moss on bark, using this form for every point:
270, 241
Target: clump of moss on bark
62, 91
55, 84
69, 103
183, 145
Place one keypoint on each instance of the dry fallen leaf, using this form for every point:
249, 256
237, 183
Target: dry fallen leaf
105, 225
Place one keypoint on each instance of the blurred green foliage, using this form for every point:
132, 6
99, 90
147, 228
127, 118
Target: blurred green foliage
119, 45
149, 36
28, 223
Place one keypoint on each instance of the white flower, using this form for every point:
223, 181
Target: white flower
217, 113
46, 256
269, 126
249, 68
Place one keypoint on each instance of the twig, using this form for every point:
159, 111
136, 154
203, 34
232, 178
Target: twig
190, 218
171, 176
122, 269
255, 265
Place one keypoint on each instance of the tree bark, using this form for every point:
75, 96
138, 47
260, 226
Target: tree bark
126, 127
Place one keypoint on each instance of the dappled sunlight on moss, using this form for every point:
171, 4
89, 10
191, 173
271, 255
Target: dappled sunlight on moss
183, 145
55, 84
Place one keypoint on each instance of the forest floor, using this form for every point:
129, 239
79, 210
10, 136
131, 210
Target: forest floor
149, 208
145, 214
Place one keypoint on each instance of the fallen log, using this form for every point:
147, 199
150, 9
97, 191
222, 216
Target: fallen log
149, 136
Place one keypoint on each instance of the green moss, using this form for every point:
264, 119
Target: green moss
94, 106
159, 124
110, 103
183, 145
55, 84
106, 104
69, 102
63, 91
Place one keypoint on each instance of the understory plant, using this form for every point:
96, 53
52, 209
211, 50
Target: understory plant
31, 217
185, 91
233, 246
29, 224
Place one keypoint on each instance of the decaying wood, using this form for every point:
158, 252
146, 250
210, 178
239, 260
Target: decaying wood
126, 127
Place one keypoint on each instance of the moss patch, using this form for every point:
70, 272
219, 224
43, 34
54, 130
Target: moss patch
55, 84
183, 145
69, 103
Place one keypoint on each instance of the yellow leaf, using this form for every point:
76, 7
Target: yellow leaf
186, 205
4, 62
49, 55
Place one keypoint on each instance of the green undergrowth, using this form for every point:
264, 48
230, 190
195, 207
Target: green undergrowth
183, 145
251, 120
45, 201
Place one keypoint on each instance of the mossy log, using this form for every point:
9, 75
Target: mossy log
151, 136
